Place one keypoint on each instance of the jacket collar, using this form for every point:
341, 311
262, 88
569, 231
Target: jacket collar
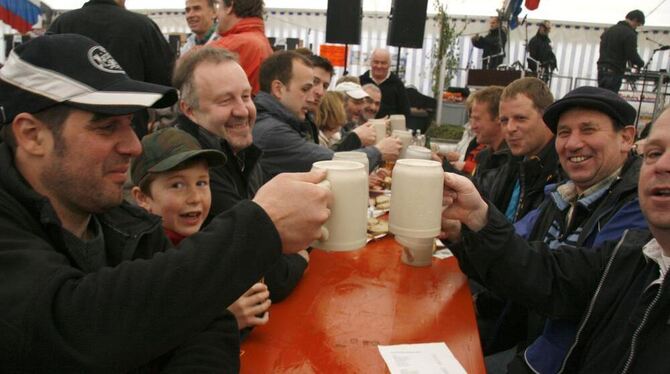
205, 137
97, 2
125, 219
268, 106
248, 156
249, 24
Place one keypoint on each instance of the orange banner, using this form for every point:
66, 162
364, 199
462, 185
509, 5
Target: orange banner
334, 53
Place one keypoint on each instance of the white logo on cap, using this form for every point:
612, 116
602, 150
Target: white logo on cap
104, 61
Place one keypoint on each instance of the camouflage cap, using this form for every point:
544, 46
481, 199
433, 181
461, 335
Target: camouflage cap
165, 149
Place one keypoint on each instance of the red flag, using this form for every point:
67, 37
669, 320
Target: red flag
532, 4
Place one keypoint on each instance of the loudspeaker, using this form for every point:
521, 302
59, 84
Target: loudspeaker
407, 24
343, 21
292, 43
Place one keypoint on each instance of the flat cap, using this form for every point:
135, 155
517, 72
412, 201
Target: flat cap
594, 98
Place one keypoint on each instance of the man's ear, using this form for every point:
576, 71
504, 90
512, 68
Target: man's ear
628, 138
32, 135
141, 198
277, 89
227, 9
187, 110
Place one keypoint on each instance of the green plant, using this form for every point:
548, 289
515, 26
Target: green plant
444, 47
445, 132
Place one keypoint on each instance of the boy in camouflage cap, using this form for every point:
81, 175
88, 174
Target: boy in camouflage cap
171, 179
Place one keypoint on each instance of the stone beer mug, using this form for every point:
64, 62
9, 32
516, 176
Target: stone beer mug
398, 122
346, 228
353, 156
416, 198
418, 152
406, 138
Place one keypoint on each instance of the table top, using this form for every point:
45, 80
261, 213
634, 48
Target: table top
349, 302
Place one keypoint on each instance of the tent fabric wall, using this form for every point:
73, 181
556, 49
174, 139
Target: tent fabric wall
575, 45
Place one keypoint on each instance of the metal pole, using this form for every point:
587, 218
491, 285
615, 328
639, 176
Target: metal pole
440, 89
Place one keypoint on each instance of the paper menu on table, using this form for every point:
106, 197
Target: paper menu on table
425, 358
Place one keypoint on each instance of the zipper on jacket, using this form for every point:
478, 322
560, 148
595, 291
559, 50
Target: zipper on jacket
522, 189
633, 342
592, 303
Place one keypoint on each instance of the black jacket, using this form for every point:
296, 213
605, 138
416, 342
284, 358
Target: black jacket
59, 315
134, 40
618, 45
605, 219
622, 318
539, 48
231, 184
394, 95
492, 44
492, 168
534, 174
622, 192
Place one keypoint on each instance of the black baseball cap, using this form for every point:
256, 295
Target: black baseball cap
74, 70
594, 98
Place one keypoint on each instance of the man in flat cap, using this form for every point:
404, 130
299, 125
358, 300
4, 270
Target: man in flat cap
599, 201
91, 284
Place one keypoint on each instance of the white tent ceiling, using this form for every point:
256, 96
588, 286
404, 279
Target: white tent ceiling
579, 11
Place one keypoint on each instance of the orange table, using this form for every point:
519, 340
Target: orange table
349, 302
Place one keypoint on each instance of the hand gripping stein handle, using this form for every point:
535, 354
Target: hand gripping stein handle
324, 231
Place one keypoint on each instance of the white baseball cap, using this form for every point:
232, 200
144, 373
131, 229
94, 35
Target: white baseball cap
353, 90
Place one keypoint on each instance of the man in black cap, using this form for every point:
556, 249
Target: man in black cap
89, 283
618, 46
617, 293
598, 201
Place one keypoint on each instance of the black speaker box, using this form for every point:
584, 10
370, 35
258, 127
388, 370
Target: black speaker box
343, 21
407, 24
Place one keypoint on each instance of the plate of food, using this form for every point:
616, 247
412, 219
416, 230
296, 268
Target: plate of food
377, 228
379, 205
378, 192
380, 182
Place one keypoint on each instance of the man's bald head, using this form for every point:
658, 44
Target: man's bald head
380, 62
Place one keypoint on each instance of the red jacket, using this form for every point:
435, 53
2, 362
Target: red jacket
247, 39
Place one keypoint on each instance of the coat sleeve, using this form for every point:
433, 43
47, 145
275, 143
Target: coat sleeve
215, 350
122, 317
403, 100
630, 46
284, 276
557, 283
349, 142
284, 150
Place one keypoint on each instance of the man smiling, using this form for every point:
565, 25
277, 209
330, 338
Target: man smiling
218, 111
616, 298
594, 139
91, 283
200, 17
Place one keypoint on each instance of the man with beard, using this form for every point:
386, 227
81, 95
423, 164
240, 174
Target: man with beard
91, 284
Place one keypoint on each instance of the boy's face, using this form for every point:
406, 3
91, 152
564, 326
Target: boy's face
181, 197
